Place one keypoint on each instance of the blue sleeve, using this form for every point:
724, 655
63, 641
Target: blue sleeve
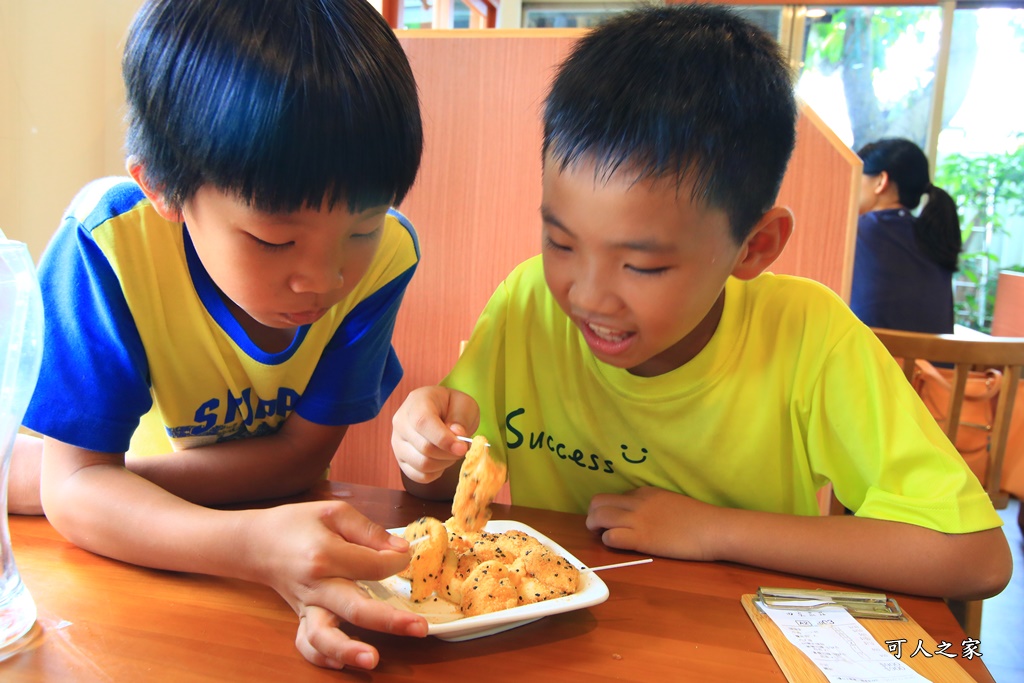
359, 368
93, 382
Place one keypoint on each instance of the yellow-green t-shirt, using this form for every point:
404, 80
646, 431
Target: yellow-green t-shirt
792, 392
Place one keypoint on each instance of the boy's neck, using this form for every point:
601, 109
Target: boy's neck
687, 348
268, 339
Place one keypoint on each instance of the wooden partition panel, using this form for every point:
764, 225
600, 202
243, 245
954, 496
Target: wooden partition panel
821, 187
476, 205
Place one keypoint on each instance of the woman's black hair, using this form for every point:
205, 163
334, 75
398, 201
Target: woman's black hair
937, 227
285, 103
690, 92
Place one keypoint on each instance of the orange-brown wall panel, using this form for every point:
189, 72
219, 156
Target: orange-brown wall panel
821, 187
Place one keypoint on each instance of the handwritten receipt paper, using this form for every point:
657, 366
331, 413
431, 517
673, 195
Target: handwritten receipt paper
826, 643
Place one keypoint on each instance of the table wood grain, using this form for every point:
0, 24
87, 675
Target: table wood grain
104, 620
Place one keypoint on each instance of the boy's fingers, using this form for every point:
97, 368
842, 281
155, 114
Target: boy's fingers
322, 642
463, 414
417, 467
440, 442
359, 530
420, 459
367, 612
602, 516
356, 547
347, 602
421, 423
311, 623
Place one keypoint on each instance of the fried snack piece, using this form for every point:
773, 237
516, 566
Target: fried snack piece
483, 572
409, 534
487, 546
519, 543
424, 570
532, 589
453, 574
552, 570
480, 479
491, 587
460, 541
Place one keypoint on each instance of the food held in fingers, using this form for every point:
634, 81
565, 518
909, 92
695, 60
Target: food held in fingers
480, 479
424, 570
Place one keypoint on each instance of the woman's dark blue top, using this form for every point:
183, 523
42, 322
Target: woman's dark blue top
895, 285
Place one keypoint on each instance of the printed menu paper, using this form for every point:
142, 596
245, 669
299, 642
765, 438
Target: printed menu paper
839, 646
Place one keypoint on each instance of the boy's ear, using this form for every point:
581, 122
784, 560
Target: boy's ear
138, 172
764, 243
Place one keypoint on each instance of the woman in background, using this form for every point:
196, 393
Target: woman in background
903, 267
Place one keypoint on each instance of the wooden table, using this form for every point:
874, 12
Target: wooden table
103, 620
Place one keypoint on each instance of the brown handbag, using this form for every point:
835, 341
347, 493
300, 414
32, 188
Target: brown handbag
934, 385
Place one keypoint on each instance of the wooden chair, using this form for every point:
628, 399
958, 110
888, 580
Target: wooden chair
1005, 354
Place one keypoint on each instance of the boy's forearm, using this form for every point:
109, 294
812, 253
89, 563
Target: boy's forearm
112, 512
260, 468
890, 556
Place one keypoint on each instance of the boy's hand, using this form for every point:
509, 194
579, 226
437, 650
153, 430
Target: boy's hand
425, 430
655, 521
312, 554
322, 642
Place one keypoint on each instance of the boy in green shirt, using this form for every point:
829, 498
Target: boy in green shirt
646, 371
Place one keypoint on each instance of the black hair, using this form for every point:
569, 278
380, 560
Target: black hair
285, 103
937, 227
693, 92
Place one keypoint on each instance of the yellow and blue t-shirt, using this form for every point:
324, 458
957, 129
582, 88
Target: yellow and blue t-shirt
792, 392
134, 323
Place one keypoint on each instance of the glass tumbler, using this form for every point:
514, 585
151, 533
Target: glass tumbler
21, 345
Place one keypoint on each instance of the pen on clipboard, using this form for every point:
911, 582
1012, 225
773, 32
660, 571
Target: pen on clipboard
857, 603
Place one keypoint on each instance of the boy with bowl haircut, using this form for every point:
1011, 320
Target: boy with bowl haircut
244, 284
646, 371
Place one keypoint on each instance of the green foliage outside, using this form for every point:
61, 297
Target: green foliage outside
856, 42
988, 189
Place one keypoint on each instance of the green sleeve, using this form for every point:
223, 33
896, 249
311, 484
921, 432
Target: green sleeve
886, 456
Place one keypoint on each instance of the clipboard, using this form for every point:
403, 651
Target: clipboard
798, 668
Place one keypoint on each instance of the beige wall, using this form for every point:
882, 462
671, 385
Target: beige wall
61, 107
